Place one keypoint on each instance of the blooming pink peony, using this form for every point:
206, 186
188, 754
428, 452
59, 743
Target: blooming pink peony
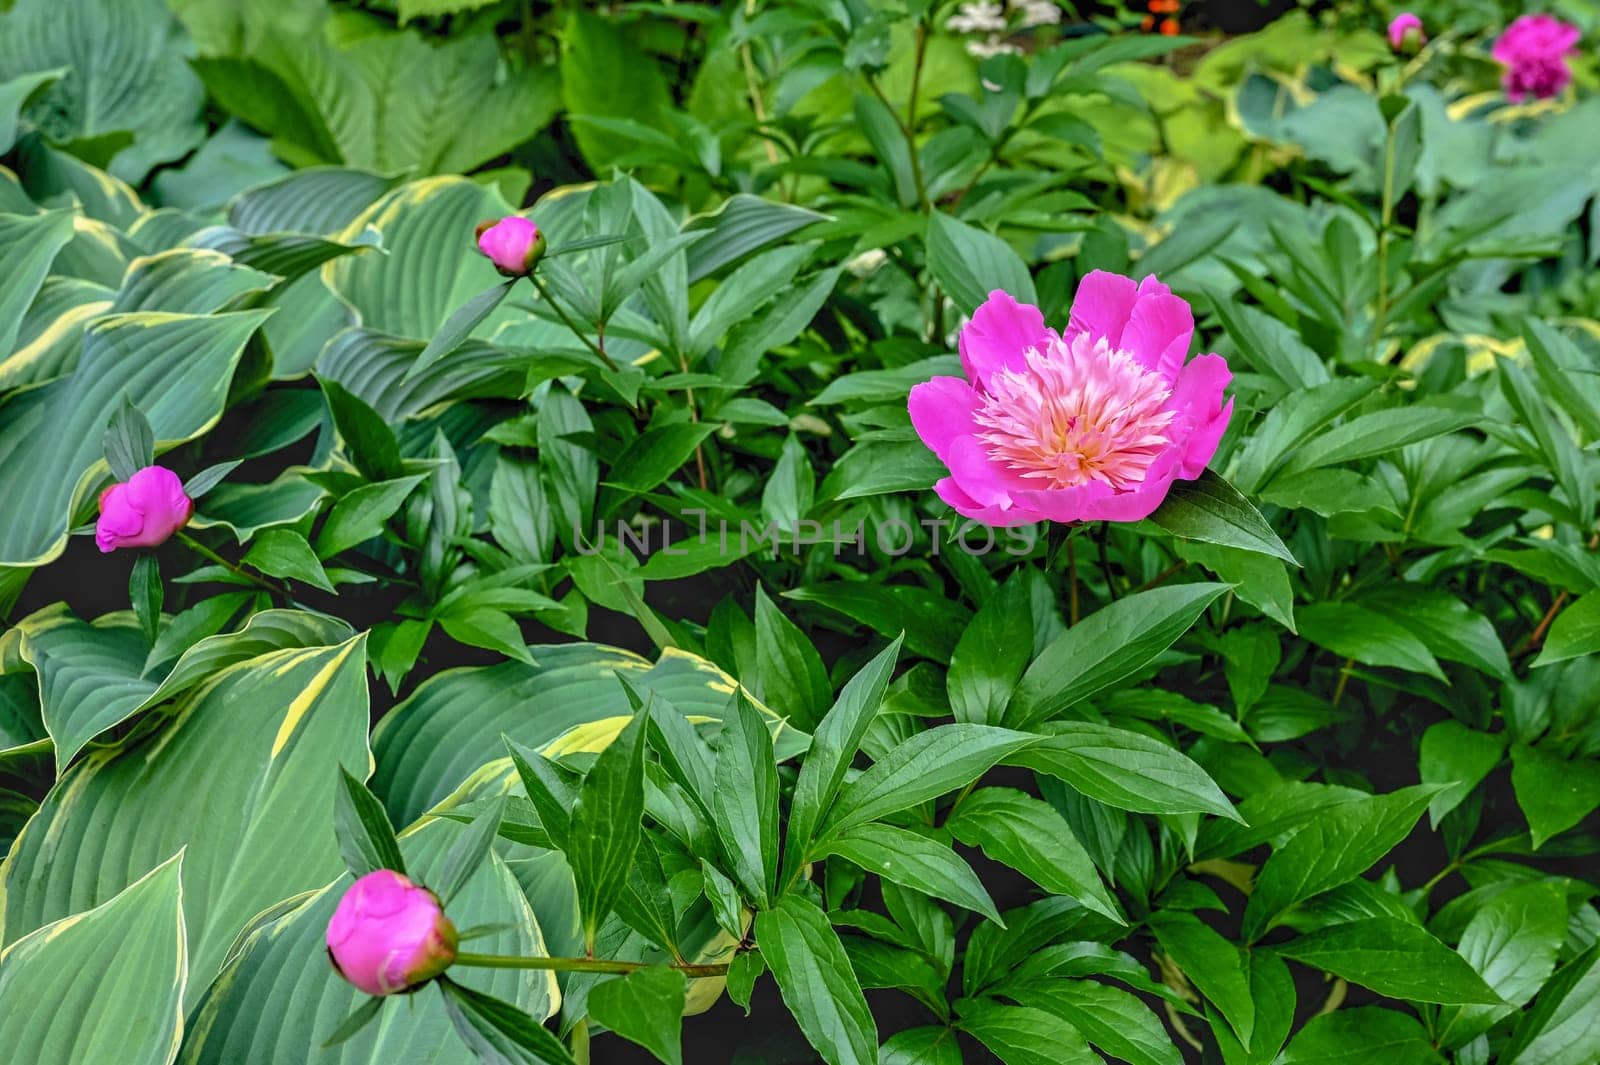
1534, 50
513, 244
1091, 425
1405, 33
388, 934
143, 510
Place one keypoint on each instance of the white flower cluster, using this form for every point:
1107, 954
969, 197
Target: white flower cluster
989, 19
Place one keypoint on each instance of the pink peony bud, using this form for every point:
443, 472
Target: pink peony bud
513, 244
1534, 51
388, 934
1090, 424
1405, 33
143, 510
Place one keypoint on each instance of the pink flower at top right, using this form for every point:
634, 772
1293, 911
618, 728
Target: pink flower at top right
1534, 51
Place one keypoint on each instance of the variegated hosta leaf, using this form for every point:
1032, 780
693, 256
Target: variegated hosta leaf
452, 724
321, 200
95, 675
51, 334
174, 367
20, 721
242, 777
431, 266
126, 73
29, 243
103, 985
278, 998
245, 509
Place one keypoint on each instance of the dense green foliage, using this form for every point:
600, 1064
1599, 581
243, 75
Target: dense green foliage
1303, 768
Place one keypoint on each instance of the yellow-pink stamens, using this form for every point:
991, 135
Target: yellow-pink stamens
1079, 411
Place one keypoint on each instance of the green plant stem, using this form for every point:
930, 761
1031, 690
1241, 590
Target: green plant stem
1385, 217
567, 321
911, 142
1102, 533
1344, 681
232, 567
581, 965
1072, 581
916, 84
1162, 577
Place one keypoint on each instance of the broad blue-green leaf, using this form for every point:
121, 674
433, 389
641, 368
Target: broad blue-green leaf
246, 763
173, 367
30, 243
106, 984
14, 93
278, 999
95, 675
451, 725
125, 72
431, 266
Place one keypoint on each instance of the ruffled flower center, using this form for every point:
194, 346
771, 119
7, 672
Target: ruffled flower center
1079, 411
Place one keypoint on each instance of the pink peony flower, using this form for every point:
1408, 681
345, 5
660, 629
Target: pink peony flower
513, 244
1533, 50
1405, 33
388, 934
1092, 425
142, 511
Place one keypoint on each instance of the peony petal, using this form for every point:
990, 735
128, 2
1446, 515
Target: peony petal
949, 491
1138, 503
980, 477
1075, 503
1102, 305
1158, 333
1197, 397
995, 517
998, 334
941, 410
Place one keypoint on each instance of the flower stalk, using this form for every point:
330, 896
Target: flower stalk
583, 965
